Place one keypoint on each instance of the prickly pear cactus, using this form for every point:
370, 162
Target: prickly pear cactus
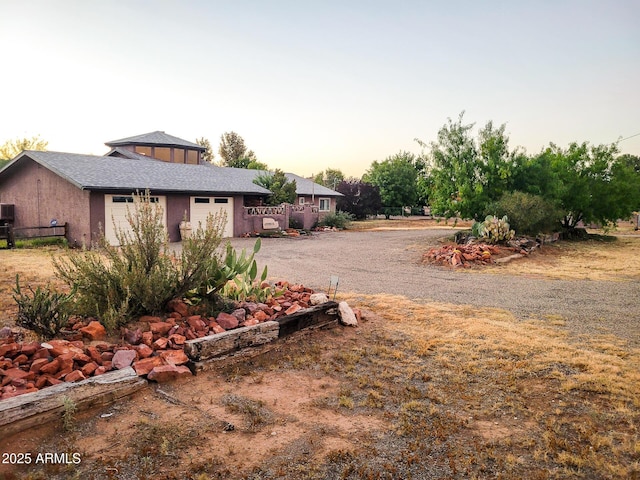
495, 230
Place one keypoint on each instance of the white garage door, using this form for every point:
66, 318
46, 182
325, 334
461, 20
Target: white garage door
115, 214
201, 207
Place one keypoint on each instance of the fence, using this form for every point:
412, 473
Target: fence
10, 233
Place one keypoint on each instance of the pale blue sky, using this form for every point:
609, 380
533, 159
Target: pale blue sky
316, 84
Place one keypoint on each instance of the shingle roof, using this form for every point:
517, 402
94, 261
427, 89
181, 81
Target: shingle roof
155, 138
304, 186
92, 172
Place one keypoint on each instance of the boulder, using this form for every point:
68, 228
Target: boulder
318, 299
178, 306
94, 331
123, 359
293, 309
240, 314
227, 321
144, 366
166, 373
175, 357
346, 315
160, 328
74, 376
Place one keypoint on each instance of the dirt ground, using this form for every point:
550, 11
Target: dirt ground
432, 384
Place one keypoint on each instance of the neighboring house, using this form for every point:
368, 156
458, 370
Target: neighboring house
91, 193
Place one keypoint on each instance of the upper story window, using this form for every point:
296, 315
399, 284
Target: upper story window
300, 200
146, 151
192, 157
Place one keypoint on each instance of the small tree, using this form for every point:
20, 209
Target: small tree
282, 189
329, 178
233, 153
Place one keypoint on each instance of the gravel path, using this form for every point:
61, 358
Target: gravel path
389, 262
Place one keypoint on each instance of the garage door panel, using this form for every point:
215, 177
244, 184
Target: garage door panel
201, 207
116, 208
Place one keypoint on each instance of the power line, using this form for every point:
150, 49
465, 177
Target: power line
623, 139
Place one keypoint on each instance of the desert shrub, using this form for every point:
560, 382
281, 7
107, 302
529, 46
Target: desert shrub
338, 220
528, 214
494, 229
141, 275
44, 311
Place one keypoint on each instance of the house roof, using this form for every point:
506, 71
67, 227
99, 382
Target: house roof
91, 172
155, 138
307, 187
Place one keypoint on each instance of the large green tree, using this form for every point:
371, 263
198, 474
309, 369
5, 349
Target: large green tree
233, 153
396, 178
282, 189
12, 148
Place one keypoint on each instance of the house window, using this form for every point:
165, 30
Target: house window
162, 153
192, 157
325, 204
300, 200
178, 155
146, 151
201, 200
221, 200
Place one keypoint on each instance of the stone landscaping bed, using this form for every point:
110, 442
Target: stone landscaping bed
159, 349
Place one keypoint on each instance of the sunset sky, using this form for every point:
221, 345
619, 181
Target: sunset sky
312, 85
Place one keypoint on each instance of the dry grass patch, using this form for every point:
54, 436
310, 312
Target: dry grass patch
613, 260
409, 223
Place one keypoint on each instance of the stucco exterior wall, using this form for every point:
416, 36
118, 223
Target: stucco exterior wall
177, 205
40, 196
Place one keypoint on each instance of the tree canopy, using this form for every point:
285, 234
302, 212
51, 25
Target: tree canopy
282, 189
396, 179
11, 148
208, 154
329, 178
233, 153
360, 199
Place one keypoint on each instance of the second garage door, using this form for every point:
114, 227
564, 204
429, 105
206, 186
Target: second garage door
201, 207
115, 214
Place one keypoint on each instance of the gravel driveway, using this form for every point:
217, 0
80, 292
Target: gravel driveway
376, 262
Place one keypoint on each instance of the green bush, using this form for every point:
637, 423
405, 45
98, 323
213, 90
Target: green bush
141, 275
338, 220
45, 311
528, 214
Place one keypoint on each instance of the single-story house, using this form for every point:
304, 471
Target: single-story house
90, 193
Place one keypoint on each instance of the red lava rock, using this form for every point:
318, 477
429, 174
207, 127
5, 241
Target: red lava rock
100, 370
37, 364
9, 350
50, 368
81, 358
133, 337
41, 353
66, 361
196, 322
95, 355
358, 314
144, 351
175, 357
161, 343
123, 359
149, 319
250, 322
20, 359
89, 368
177, 339
227, 321
147, 338
144, 366
30, 348
240, 314
260, 316
178, 306
160, 328
13, 374
5, 363
175, 315
106, 356
166, 373
94, 331
41, 381
215, 327
74, 376
293, 309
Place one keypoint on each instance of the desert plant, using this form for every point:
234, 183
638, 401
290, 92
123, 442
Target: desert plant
141, 275
494, 229
338, 219
45, 310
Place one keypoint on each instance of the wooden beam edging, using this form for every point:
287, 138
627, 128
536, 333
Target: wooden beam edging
233, 342
32, 409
